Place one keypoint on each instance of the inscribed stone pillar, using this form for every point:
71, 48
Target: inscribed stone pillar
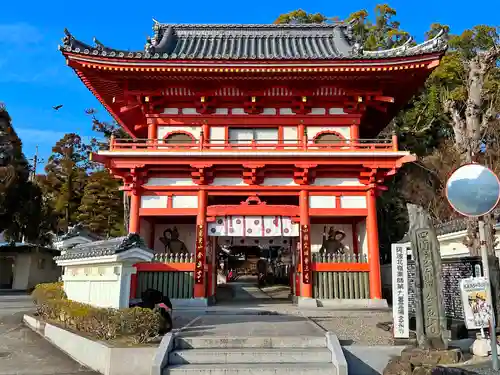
430, 316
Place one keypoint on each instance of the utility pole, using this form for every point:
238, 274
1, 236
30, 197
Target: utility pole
36, 160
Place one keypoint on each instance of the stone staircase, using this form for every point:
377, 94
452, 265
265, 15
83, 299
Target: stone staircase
297, 355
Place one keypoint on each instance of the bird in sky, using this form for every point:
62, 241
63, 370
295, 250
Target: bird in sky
57, 107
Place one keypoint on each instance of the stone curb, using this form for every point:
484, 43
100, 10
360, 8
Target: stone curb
160, 361
98, 355
338, 358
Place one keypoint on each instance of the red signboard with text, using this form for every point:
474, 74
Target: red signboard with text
306, 254
200, 254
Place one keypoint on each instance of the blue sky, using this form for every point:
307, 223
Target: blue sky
34, 76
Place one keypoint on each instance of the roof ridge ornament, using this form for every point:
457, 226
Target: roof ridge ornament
68, 39
98, 45
436, 44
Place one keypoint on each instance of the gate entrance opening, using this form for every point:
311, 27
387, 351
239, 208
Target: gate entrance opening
260, 250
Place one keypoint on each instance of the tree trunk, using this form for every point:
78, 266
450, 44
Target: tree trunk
469, 130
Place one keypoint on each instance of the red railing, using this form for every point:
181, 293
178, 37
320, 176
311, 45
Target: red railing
252, 145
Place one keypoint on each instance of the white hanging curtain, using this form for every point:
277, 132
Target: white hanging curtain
253, 226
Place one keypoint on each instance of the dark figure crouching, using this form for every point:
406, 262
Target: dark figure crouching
152, 299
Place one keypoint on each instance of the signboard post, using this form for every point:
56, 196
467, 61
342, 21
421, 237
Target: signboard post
473, 190
400, 306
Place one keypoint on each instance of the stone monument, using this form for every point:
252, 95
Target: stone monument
432, 335
430, 316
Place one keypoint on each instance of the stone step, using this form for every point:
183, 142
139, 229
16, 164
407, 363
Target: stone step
204, 342
253, 369
250, 355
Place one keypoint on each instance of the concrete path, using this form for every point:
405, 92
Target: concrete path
23, 352
251, 325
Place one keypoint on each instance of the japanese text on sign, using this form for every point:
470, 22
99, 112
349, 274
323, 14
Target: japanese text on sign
400, 308
306, 255
200, 254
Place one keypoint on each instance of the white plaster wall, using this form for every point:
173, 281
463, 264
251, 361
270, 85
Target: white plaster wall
317, 235
164, 130
452, 248
187, 234
184, 201
353, 201
170, 181
312, 131
269, 111
154, 201
336, 111
290, 134
318, 111
278, 181
322, 201
328, 181
228, 181
362, 237
217, 134
98, 284
189, 111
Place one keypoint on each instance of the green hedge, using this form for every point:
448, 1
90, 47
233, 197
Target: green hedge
136, 324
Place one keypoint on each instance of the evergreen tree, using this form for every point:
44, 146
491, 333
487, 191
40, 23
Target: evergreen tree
108, 129
23, 213
101, 208
66, 174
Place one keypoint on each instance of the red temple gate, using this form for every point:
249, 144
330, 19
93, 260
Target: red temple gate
284, 116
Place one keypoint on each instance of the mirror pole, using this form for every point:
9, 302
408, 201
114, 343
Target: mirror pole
486, 274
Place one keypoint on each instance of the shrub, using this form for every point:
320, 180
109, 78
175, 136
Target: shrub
136, 324
48, 291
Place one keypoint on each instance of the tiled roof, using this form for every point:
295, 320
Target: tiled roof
252, 42
105, 247
78, 230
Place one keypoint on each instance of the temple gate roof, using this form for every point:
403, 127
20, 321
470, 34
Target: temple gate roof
329, 41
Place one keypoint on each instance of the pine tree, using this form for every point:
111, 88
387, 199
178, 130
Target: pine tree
101, 208
66, 177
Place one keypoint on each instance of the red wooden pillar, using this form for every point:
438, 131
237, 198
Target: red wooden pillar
200, 251
133, 285
305, 253
373, 245
354, 134
135, 205
152, 135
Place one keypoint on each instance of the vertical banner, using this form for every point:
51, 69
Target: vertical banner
306, 254
199, 269
400, 308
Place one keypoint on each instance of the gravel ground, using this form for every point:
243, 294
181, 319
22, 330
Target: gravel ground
482, 369
356, 327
